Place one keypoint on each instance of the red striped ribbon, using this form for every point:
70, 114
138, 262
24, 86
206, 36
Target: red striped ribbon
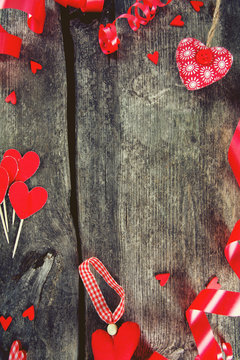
84, 5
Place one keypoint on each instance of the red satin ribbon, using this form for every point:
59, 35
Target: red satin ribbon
84, 5
107, 35
9, 44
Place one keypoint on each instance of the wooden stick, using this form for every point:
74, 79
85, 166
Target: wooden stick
13, 217
5, 214
3, 223
17, 238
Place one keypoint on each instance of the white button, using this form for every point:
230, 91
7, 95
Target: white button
112, 329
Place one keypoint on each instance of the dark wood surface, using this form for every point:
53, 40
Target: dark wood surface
137, 174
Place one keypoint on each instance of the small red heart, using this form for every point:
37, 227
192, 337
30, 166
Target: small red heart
27, 166
35, 66
120, 347
157, 356
214, 284
16, 353
163, 278
177, 21
154, 57
14, 153
10, 164
25, 202
196, 5
5, 322
30, 313
4, 183
11, 98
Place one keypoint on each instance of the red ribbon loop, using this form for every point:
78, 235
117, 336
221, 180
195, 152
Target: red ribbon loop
9, 44
84, 5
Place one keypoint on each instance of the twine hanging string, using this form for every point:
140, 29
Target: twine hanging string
216, 16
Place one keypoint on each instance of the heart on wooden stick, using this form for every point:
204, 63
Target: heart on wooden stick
16, 353
10, 164
27, 165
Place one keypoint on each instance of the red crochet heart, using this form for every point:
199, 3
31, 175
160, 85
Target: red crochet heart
119, 347
11, 98
200, 66
27, 166
4, 182
16, 353
5, 322
11, 166
24, 202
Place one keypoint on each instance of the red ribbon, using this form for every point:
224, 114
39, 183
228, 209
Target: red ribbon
84, 5
107, 35
9, 44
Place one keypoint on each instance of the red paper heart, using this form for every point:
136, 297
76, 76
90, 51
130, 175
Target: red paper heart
196, 5
120, 347
154, 57
14, 153
11, 98
5, 322
163, 278
30, 313
16, 353
4, 182
157, 356
200, 66
177, 21
35, 66
27, 166
10, 164
214, 284
24, 202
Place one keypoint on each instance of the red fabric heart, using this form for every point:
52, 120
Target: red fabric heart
16, 353
27, 166
177, 21
154, 57
5, 322
214, 284
14, 153
200, 66
196, 5
35, 66
10, 164
30, 313
157, 356
4, 182
119, 347
163, 278
11, 98
24, 202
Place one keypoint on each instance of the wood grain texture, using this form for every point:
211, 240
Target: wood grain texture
155, 190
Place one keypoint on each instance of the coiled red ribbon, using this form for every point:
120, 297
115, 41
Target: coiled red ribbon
84, 5
107, 35
215, 301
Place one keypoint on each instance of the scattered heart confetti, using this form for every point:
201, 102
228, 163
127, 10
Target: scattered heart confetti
196, 5
30, 313
11, 98
177, 21
5, 322
200, 66
214, 284
27, 166
10, 164
16, 353
163, 278
154, 57
35, 66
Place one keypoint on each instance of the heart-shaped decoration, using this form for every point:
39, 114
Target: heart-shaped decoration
27, 166
153, 57
11, 98
177, 21
157, 356
120, 347
16, 353
25, 202
214, 284
10, 164
14, 153
200, 66
163, 278
35, 66
30, 313
196, 5
4, 182
5, 322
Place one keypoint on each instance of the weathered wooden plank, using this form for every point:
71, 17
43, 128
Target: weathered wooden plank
44, 272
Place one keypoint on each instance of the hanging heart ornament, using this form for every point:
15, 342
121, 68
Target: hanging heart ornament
199, 65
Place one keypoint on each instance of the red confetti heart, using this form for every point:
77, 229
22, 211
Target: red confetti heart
10, 164
197, 5
5, 322
27, 166
154, 57
30, 313
14, 153
25, 202
121, 346
177, 21
11, 98
16, 353
4, 182
163, 278
35, 66
200, 66
214, 284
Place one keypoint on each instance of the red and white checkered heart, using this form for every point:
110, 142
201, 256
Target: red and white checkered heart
16, 353
199, 65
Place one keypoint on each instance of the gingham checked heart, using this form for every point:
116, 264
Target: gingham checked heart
200, 66
16, 353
